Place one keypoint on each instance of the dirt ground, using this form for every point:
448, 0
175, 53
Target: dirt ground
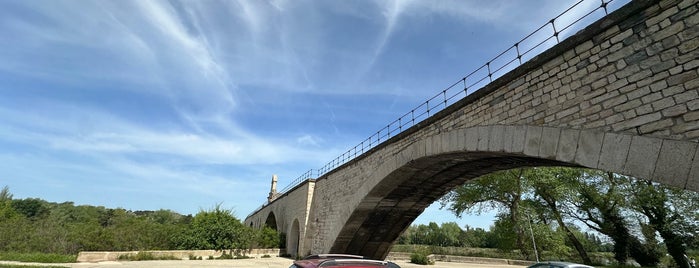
274, 262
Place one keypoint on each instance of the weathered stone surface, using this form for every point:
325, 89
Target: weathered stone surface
642, 157
674, 162
533, 141
589, 146
615, 148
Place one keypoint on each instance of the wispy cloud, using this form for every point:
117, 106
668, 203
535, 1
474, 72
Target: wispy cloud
217, 92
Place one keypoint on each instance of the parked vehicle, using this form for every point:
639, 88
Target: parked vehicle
341, 260
558, 264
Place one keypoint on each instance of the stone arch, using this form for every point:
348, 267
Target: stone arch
293, 239
271, 221
420, 173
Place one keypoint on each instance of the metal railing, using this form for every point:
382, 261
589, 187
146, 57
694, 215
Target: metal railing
537, 41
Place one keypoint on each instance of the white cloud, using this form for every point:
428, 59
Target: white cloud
309, 140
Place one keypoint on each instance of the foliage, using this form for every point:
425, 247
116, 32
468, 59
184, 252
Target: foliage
502, 191
635, 219
29, 266
217, 229
267, 237
37, 257
145, 256
420, 256
36, 226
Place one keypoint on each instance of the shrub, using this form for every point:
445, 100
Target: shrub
145, 256
37, 257
420, 257
225, 256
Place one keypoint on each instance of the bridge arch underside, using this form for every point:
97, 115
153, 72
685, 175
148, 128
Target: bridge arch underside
428, 169
383, 216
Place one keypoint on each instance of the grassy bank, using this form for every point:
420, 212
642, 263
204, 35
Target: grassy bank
37, 257
25, 266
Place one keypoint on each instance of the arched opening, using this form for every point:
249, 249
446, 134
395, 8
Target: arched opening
271, 221
573, 214
293, 239
403, 195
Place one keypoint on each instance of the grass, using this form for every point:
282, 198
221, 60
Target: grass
37, 257
145, 256
25, 266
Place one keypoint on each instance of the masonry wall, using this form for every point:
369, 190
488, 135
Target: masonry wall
293, 205
632, 73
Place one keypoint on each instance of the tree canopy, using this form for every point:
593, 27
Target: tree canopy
642, 220
34, 225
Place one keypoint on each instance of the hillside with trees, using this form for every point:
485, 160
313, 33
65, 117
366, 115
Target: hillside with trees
33, 225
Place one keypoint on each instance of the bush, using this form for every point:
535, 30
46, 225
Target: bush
266, 256
145, 256
420, 257
37, 257
225, 256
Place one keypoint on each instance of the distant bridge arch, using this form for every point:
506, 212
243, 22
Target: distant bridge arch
271, 221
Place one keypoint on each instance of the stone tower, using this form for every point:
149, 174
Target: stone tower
273, 189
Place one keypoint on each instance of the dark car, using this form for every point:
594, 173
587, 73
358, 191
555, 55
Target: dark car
558, 264
341, 260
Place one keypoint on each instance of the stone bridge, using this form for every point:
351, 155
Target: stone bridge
622, 95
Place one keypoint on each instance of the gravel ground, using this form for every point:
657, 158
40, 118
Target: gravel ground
274, 262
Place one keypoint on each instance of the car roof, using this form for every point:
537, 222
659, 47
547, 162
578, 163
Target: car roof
340, 260
333, 256
562, 264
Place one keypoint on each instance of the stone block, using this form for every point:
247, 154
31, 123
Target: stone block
567, 145
549, 142
638, 121
589, 146
532, 140
674, 162
693, 178
508, 137
518, 138
496, 141
432, 144
614, 151
456, 141
643, 153
483, 137
471, 139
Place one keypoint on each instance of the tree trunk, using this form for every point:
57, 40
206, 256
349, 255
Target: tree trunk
576, 243
514, 217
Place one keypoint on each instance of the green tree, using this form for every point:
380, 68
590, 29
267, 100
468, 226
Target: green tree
32, 208
602, 200
5, 194
217, 229
666, 210
268, 237
502, 191
475, 237
451, 233
552, 187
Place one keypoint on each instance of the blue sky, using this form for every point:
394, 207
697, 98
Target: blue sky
183, 105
